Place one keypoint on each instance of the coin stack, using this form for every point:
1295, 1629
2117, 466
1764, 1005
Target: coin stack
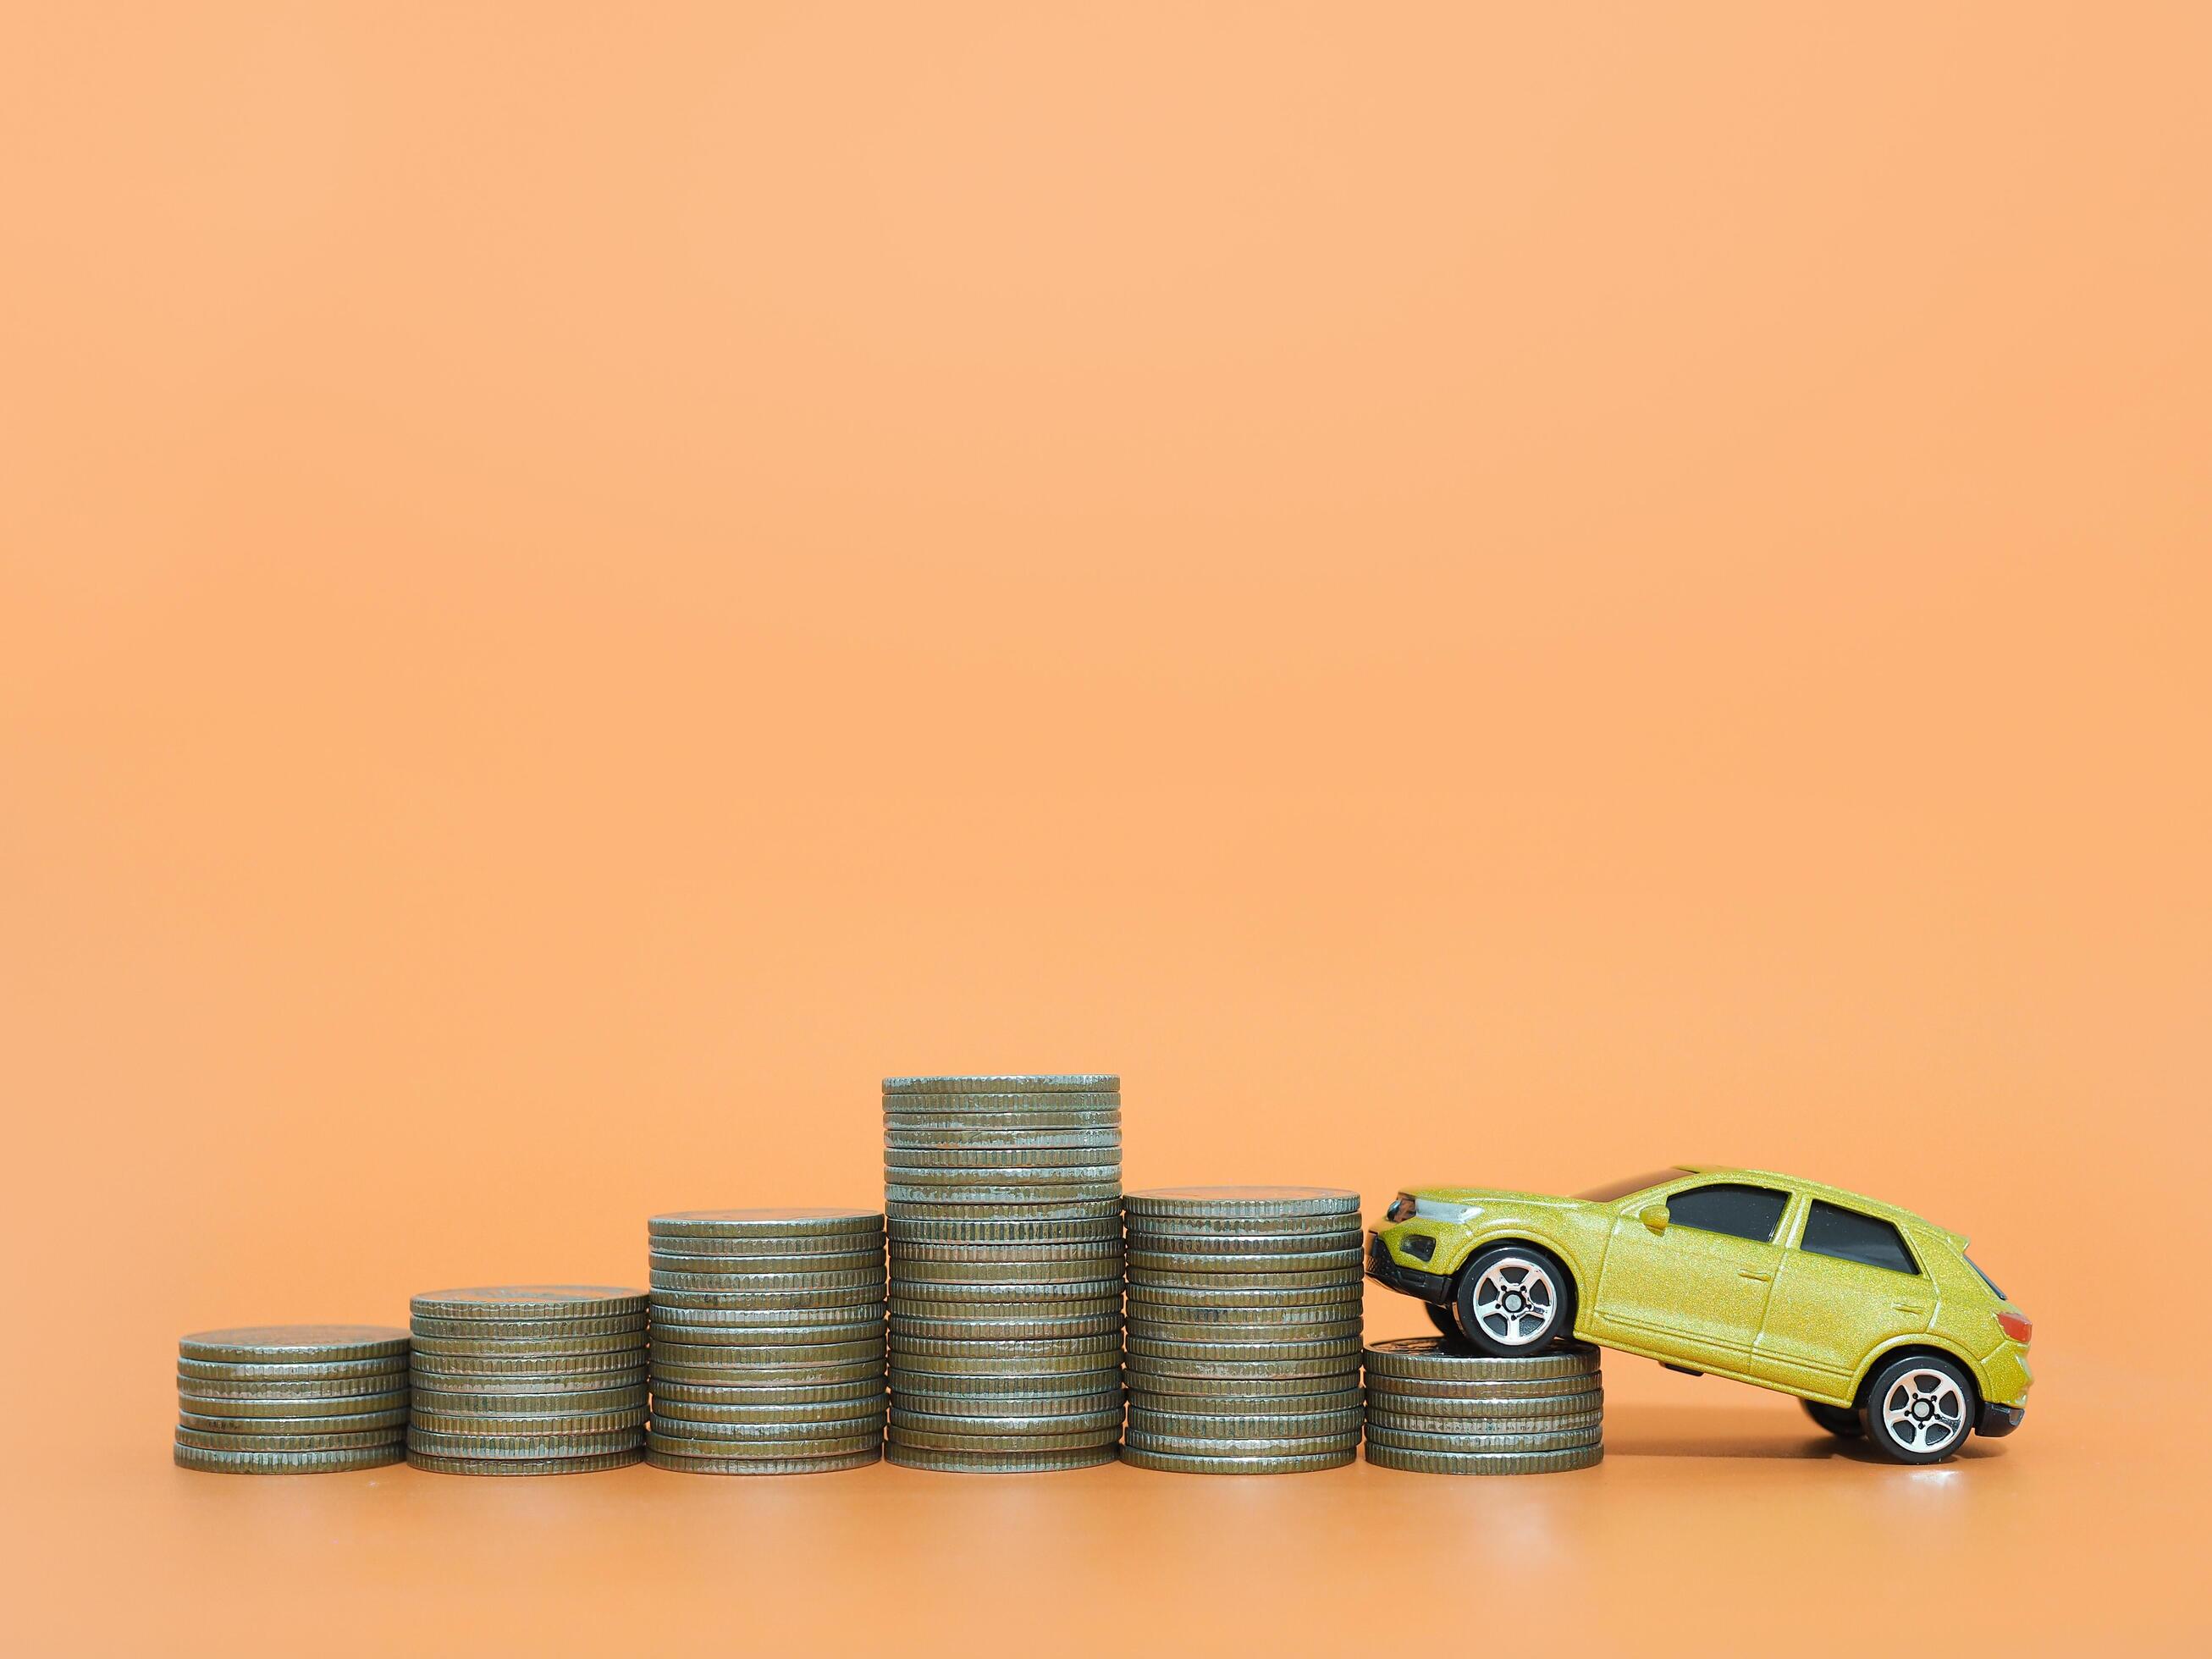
1245, 1320
768, 1340
292, 1399
528, 1379
1005, 1220
1437, 1409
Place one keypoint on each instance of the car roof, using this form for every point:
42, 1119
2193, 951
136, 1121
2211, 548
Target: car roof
1821, 1189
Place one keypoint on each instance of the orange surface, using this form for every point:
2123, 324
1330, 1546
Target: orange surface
1459, 593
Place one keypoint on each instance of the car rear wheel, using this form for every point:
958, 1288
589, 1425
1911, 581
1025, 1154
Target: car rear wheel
1513, 1300
1446, 1321
1919, 1409
1839, 1420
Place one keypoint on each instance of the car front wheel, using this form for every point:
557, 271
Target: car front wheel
1919, 1409
1446, 1321
1839, 1420
1513, 1300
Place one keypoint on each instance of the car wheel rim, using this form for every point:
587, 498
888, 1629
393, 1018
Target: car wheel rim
1515, 1302
1924, 1411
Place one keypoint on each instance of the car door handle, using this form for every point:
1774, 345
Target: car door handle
1909, 1307
1753, 1273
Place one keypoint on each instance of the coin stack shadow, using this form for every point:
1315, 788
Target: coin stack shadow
1003, 1202
528, 1379
292, 1399
1434, 1409
1244, 1322
768, 1340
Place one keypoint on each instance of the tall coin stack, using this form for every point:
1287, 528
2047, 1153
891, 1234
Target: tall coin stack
1437, 1409
768, 1340
528, 1379
1003, 1214
1244, 1322
292, 1399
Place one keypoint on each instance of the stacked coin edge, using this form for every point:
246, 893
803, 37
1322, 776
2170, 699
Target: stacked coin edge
527, 1379
1003, 1216
1433, 1408
1244, 1324
292, 1399
767, 1341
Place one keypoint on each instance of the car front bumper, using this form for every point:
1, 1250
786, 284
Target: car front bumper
1385, 1269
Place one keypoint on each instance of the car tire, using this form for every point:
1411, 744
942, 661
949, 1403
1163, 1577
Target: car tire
1919, 1408
1513, 1300
1446, 1321
1839, 1420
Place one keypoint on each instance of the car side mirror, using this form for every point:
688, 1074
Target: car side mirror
1653, 1216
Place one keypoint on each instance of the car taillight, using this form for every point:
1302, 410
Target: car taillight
2015, 1327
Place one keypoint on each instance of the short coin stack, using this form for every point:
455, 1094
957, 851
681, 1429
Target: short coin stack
292, 1399
1244, 1322
768, 1340
528, 1379
1437, 1409
1003, 1202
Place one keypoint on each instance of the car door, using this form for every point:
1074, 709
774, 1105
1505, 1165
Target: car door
1851, 1283
1694, 1290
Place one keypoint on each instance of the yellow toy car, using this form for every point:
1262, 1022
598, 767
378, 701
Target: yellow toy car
1875, 1319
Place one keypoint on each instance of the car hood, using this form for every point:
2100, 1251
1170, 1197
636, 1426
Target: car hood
1491, 1196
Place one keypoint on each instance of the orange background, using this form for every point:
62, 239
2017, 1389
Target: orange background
1459, 593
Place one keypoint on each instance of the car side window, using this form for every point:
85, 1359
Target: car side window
1741, 1212
1831, 1229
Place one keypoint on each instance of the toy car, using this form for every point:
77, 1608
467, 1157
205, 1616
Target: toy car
1874, 1319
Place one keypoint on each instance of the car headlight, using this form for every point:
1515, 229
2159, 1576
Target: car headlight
1421, 1246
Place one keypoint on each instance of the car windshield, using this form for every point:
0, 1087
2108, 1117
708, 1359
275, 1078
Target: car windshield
1613, 1189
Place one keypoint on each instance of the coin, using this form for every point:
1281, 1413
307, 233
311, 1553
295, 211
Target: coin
1470, 1436
1428, 1356
811, 1446
907, 1417
763, 1465
525, 1330
1049, 1197
1411, 1413
678, 1373
563, 1347
1209, 1203
770, 1393
1234, 1400
996, 1463
603, 1371
1245, 1388
294, 1344
1000, 1082
1525, 1441
993, 1138
672, 1413
352, 1423
984, 1121
1093, 1377
1287, 1446
771, 1356
929, 1298
907, 1332
812, 1302
517, 1446
1266, 1287
272, 1444
560, 1393
229, 1371
1025, 1407
769, 1284
292, 1406
1536, 1388
963, 1161
428, 1403
836, 1342
1226, 1361
529, 1425
1205, 1425
1082, 1259
530, 1302
1018, 1209
1188, 1463
999, 1230
436, 1464
1243, 1306
822, 1437
251, 1462
1230, 1253
768, 1224
748, 1251
1016, 1445
1390, 1457
1245, 1342
1247, 1233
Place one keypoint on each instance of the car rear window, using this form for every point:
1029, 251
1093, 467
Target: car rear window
1831, 1229
1726, 1206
